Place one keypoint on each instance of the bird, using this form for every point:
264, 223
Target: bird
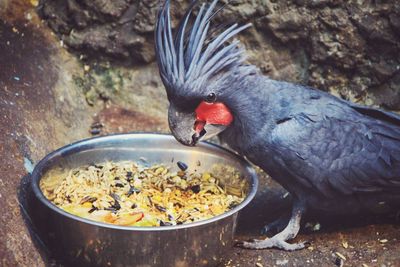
331, 155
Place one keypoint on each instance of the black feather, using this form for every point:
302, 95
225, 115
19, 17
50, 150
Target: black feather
186, 60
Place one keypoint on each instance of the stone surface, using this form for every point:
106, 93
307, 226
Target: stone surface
119, 29
351, 49
57, 88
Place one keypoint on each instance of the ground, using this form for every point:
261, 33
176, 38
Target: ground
333, 241
49, 98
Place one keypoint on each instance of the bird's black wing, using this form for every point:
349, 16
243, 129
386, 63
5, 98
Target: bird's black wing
341, 148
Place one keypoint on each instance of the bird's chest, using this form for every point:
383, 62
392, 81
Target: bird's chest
254, 146
258, 149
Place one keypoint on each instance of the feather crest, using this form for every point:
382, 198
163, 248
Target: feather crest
186, 59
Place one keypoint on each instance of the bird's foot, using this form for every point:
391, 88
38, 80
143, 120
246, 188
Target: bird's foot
274, 242
275, 226
280, 240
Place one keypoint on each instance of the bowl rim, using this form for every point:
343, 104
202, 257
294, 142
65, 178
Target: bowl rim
36, 176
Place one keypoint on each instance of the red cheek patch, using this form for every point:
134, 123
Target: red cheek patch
212, 113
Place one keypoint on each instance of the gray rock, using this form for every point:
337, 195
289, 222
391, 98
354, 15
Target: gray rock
351, 49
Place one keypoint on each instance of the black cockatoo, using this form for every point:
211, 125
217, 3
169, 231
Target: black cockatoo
330, 154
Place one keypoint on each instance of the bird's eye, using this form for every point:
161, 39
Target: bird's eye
211, 97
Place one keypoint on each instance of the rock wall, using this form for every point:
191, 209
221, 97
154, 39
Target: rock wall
351, 48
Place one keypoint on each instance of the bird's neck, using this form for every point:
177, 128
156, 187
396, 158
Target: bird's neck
249, 105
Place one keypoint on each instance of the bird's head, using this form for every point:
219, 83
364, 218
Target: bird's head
196, 68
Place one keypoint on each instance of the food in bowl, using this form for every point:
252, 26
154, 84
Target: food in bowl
129, 194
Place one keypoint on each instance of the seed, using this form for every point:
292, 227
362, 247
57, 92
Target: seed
150, 201
132, 190
112, 209
178, 205
183, 166
115, 196
160, 208
183, 184
232, 206
159, 171
94, 131
167, 190
87, 205
137, 183
157, 198
176, 179
181, 173
92, 209
195, 188
116, 205
206, 176
165, 223
88, 199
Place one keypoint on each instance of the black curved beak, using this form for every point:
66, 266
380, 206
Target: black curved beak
197, 136
181, 125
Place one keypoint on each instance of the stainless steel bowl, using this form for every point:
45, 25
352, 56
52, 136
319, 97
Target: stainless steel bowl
81, 242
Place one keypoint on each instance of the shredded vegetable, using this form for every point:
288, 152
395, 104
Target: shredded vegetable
125, 193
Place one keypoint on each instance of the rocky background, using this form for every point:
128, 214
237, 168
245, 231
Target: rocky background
350, 48
72, 69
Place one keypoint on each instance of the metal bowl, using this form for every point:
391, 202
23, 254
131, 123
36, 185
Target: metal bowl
77, 241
